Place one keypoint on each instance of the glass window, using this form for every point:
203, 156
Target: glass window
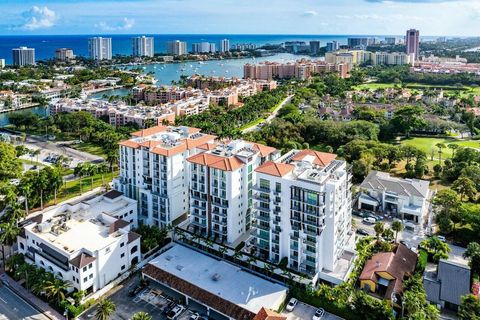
264, 184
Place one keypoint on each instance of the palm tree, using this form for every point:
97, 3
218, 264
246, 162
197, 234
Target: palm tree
440, 146
8, 236
55, 289
453, 147
379, 229
102, 168
141, 316
112, 159
397, 226
35, 153
105, 309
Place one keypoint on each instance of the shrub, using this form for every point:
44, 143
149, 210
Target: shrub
240, 246
283, 263
422, 260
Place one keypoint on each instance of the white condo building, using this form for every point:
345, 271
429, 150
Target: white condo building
23, 56
177, 48
100, 48
88, 242
143, 46
302, 205
154, 171
225, 45
221, 180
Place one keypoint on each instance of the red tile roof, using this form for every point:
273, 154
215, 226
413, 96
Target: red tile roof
267, 314
82, 260
275, 169
213, 161
397, 264
149, 131
321, 158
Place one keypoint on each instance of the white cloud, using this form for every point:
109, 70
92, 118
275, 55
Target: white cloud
310, 13
125, 24
39, 18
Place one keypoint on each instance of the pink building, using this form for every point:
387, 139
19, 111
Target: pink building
412, 41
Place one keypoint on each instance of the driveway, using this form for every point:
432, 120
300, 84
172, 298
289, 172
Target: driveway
304, 311
270, 117
14, 307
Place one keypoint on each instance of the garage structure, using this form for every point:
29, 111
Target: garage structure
214, 286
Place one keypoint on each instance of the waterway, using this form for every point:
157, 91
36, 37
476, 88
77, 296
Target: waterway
166, 73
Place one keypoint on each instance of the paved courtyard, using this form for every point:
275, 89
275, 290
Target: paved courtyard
304, 311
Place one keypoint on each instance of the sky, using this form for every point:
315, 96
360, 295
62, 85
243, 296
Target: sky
322, 17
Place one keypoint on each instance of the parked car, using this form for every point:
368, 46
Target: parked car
369, 220
168, 307
441, 238
175, 312
291, 304
318, 314
358, 213
374, 216
362, 232
194, 316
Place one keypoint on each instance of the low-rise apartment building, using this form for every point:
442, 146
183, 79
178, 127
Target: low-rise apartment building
154, 171
221, 181
357, 57
402, 198
88, 242
302, 205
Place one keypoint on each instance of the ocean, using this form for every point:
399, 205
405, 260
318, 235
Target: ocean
45, 45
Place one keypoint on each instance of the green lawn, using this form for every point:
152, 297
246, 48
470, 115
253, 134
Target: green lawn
89, 148
429, 144
72, 188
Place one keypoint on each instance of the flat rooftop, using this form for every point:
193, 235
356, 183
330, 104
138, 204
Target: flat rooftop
84, 224
221, 279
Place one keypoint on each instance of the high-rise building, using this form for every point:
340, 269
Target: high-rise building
225, 45
412, 42
143, 46
357, 42
332, 46
303, 206
392, 40
64, 54
314, 47
203, 47
23, 56
100, 48
154, 171
221, 180
2, 63
177, 47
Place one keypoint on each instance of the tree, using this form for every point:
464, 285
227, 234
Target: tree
465, 187
436, 248
8, 236
469, 308
440, 146
56, 289
397, 226
141, 316
473, 255
105, 309
379, 229
407, 119
453, 147
10, 165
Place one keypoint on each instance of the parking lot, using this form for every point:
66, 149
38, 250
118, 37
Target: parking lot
147, 299
304, 311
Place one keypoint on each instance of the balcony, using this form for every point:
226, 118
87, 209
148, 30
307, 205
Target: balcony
261, 189
263, 218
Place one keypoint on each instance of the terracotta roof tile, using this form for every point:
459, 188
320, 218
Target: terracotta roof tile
207, 146
132, 236
275, 169
267, 314
217, 162
118, 224
264, 150
82, 260
149, 131
321, 158
129, 143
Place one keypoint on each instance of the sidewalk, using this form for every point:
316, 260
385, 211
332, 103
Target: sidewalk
30, 298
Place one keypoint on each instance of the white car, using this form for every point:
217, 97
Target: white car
318, 314
194, 316
369, 220
442, 238
175, 312
291, 304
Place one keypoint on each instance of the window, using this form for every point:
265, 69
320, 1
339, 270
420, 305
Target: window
84, 268
278, 187
264, 184
107, 250
85, 279
122, 244
122, 255
90, 276
123, 267
90, 266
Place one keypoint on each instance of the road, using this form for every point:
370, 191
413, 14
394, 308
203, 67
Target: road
270, 117
14, 307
